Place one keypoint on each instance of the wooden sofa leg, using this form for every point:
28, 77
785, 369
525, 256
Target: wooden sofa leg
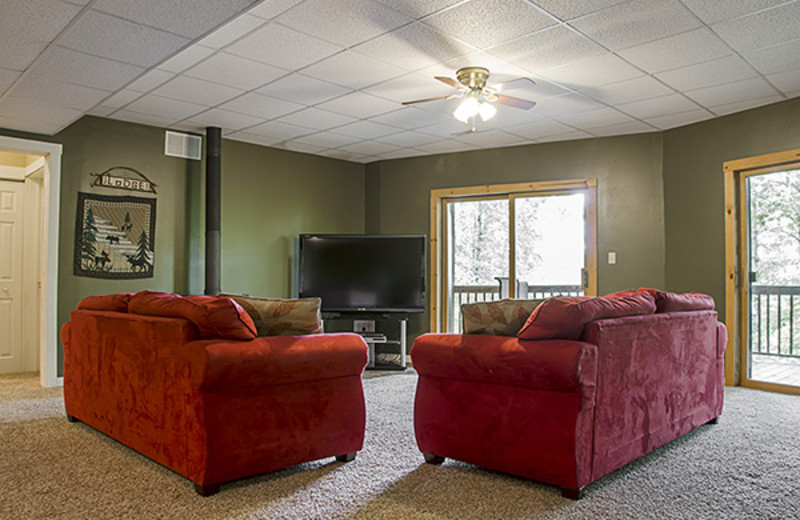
574, 494
347, 457
72, 419
430, 458
206, 491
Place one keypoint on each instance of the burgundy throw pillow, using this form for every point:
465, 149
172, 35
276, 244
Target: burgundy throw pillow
106, 302
565, 317
693, 301
214, 316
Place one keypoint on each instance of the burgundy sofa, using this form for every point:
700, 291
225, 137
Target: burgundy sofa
598, 388
185, 382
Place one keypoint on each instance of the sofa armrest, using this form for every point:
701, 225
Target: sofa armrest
226, 365
557, 365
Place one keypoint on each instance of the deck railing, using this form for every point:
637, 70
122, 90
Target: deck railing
775, 320
486, 293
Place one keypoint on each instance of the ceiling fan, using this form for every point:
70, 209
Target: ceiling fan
471, 84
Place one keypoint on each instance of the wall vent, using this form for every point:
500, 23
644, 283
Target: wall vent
187, 146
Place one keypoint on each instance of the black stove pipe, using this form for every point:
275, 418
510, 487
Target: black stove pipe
213, 208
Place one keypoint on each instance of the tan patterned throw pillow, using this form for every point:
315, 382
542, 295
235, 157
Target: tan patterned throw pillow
279, 317
498, 318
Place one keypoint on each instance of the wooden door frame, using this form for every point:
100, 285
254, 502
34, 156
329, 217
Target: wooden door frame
735, 172
437, 219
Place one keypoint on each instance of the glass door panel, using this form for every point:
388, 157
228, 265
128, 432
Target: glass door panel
477, 253
550, 252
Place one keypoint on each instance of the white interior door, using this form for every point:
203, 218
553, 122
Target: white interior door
11, 218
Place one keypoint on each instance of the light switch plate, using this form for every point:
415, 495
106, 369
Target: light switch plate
612, 257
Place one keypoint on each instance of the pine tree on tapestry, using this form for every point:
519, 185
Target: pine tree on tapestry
88, 238
140, 260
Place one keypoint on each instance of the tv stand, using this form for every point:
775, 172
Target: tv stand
385, 335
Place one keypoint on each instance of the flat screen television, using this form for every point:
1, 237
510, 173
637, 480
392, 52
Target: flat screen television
377, 273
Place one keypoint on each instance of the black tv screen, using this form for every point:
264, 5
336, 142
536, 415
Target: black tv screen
380, 273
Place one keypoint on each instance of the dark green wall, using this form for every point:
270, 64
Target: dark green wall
629, 186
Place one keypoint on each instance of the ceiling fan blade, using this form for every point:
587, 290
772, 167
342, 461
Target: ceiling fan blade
449, 81
524, 104
521, 82
429, 99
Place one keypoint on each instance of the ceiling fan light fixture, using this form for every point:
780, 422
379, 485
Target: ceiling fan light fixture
467, 109
486, 111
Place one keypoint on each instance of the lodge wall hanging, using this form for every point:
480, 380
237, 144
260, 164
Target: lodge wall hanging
115, 236
124, 178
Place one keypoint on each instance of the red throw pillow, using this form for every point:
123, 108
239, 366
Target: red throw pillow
106, 302
214, 316
693, 301
565, 317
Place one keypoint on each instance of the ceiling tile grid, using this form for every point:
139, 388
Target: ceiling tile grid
329, 77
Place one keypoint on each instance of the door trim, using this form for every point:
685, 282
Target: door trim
48, 344
735, 313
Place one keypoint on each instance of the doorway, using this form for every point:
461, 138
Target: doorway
764, 269
526, 241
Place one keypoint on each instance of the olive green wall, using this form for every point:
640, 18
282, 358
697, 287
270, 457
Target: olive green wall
629, 191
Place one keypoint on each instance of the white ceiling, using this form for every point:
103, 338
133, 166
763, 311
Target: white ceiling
327, 77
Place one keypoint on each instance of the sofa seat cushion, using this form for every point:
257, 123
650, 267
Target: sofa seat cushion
497, 318
214, 316
557, 365
565, 317
106, 302
282, 317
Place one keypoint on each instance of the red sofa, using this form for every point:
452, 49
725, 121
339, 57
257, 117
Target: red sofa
185, 382
568, 410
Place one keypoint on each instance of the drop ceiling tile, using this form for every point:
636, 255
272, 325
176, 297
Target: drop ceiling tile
675, 120
491, 139
660, 106
121, 98
569, 136
413, 47
144, 119
593, 72
636, 22
271, 9
370, 148
235, 71
345, 23
197, 91
111, 37
172, 109
629, 91
540, 129
186, 58
327, 140
265, 107
71, 66
484, 23
60, 94
150, 80
188, 18
409, 118
449, 128
737, 92
570, 103
348, 156
303, 89
226, 119
631, 127
38, 20
779, 58
296, 146
317, 119
18, 53
409, 87
232, 31
500, 70
281, 46
402, 153
549, 48
446, 146
280, 130
730, 108
353, 70
418, 8
366, 130
7, 78
360, 105
101, 111
30, 115
569, 10
594, 118
787, 82
712, 11
508, 116
246, 137
717, 72
673, 52
762, 29
405, 139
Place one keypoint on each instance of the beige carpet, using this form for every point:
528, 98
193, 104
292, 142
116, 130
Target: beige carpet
747, 466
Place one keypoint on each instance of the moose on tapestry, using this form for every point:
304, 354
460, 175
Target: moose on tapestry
114, 236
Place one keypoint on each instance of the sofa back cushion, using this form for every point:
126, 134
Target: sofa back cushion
282, 317
497, 318
565, 317
673, 302
214, 316
106, 302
